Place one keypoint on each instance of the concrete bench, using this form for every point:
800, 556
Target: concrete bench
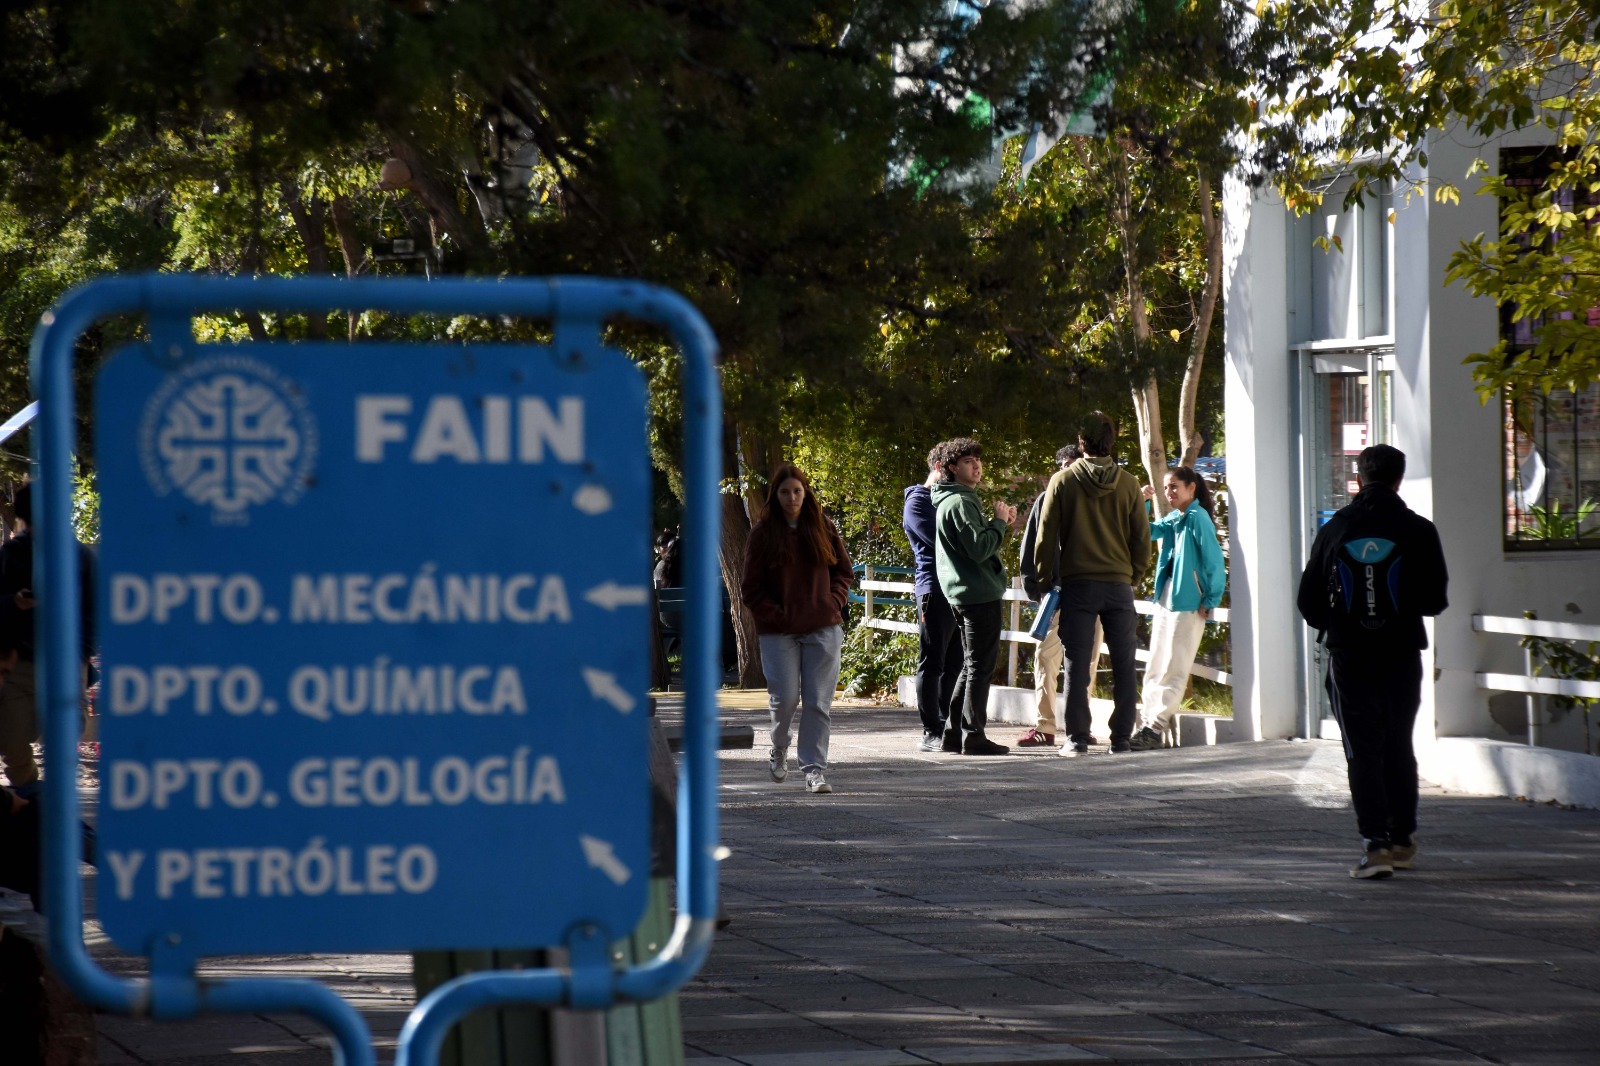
732, 736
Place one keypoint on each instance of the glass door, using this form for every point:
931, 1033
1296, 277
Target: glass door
1345, 405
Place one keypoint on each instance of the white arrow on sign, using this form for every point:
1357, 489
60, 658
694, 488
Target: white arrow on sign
600, 855
612, 595
603, 686
592, 499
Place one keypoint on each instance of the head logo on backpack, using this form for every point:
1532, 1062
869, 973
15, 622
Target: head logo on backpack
1364, 583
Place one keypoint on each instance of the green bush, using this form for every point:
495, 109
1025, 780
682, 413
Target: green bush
874, 660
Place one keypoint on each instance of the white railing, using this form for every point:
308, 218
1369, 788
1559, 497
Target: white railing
1016, 636
1525, 682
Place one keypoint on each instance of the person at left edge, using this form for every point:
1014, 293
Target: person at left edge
797, 584
19, 725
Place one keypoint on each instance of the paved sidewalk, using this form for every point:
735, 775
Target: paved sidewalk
1179, 906
1182, 906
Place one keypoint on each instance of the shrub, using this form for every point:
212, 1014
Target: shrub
874, 660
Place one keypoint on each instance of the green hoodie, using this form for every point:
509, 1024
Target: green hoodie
968, 546
1096, 513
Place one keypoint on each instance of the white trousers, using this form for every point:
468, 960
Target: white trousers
1174, 639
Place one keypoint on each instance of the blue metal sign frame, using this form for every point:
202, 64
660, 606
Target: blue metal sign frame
579, 308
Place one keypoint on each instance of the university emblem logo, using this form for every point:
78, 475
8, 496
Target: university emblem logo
228, 433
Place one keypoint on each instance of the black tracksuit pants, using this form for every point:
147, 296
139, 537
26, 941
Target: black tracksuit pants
1375, 697
938, 661
980, 649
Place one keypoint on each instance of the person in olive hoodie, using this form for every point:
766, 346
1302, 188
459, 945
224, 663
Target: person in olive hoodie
1094, 542
972, 579
796, 584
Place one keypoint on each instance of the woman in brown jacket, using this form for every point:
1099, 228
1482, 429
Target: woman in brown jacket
796, 583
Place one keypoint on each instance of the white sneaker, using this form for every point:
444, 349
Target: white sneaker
778, 764
815, 782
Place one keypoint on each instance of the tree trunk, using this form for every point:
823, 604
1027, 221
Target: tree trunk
731, 553
735, 539
468, 240
1211, 225
1146, 394
344, 227
759, 456
311, 222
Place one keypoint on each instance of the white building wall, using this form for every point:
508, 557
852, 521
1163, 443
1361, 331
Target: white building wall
1451, 440
1468, 486
1262, 461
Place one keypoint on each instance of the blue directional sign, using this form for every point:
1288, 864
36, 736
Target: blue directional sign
374, 634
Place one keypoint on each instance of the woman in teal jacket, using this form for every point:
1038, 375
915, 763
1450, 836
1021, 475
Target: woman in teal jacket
1190, 578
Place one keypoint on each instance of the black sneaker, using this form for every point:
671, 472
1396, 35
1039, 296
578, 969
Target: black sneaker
952, 742
1120, 747
1073, 748
930, 742
1146, 739
978, 744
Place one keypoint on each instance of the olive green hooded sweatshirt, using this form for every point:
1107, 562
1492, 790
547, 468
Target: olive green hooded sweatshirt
1096, 513
967, 546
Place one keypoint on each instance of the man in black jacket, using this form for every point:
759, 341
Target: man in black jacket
1375, 570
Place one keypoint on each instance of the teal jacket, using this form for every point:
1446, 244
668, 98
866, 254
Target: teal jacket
967, 546
1190, 560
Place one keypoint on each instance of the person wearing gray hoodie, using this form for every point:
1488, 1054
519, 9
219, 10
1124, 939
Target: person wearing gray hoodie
1094, 542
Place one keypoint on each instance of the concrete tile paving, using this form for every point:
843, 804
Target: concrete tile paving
1171, 907
1178, 906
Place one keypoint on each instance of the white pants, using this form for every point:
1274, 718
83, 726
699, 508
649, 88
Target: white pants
1174, 638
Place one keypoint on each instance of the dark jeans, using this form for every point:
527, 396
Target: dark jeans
1111, 602
980, 647
938, 661
1375, 698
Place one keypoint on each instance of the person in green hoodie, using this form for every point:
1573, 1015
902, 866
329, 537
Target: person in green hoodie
1094, 542
967, 551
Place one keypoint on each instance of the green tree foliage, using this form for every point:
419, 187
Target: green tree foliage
1407, 72
760, 156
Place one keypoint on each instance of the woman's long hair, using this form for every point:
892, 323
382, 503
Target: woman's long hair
1202, 488
772, 548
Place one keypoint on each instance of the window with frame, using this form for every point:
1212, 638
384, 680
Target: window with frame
1551, 442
